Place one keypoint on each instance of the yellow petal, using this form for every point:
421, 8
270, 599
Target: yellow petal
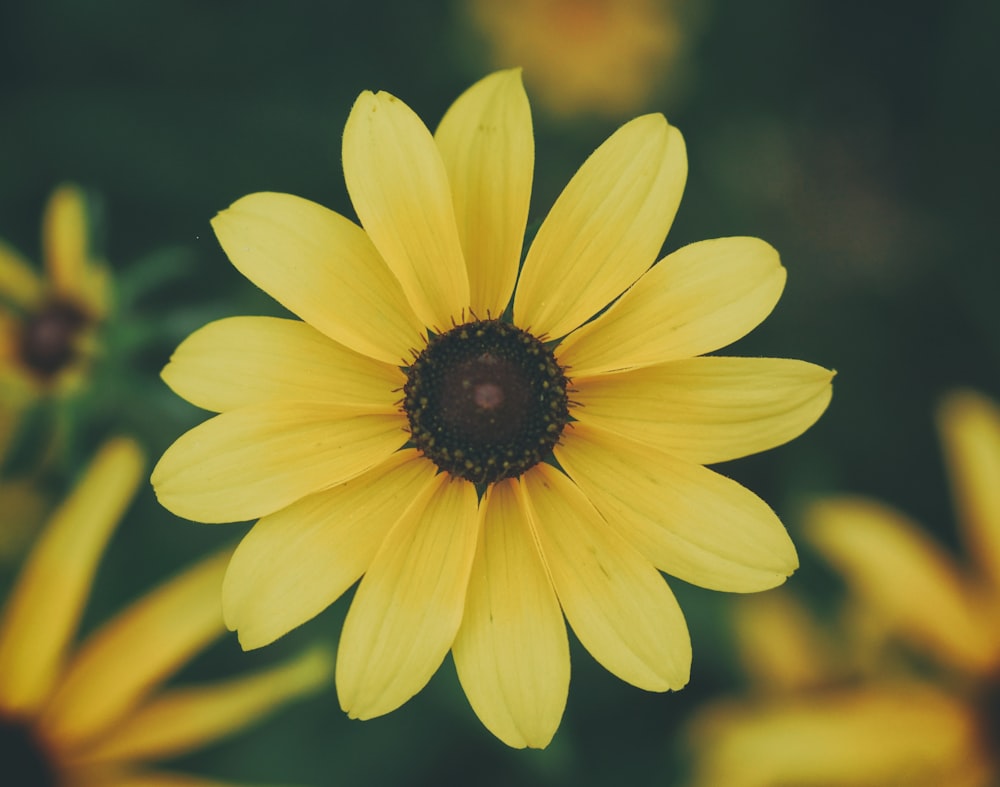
904, 577
258, 459
511, 652
19, 388
241, 361
181, 720
43, 612
970, 427
293, 564
19, 284
781, 647
400, 191
408, 607
65, 240
323, 268
696, 300
73, 271
488, 148
686, 519
135, 651
619, 605
891, 736
605, 229
707, 410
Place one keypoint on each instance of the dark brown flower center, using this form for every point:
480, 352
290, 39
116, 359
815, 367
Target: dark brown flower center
23, 761
49, 337
485, 401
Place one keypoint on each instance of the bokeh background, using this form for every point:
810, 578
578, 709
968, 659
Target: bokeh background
860, 139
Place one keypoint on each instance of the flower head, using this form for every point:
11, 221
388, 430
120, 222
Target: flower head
486, 458
600, 56
92, 715
918, 705
47, 324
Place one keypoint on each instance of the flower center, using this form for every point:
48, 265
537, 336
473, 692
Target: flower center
485, 401
22, 760
48, 341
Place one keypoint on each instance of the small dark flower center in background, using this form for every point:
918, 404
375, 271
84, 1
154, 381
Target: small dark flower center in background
23, 762
48, 341
485, 401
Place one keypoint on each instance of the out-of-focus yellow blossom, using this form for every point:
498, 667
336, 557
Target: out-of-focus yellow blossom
913, 698
605, 57
91, 716
48, 322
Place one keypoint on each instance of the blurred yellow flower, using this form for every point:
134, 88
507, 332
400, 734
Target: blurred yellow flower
92, 716
47, 323
408, 430
605, 57
918, 707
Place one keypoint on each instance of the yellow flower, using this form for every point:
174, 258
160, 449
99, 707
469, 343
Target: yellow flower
408, 429
925, 715
91, 716
601, 56
47, 325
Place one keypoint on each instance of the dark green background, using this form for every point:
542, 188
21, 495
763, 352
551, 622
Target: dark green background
859, 138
